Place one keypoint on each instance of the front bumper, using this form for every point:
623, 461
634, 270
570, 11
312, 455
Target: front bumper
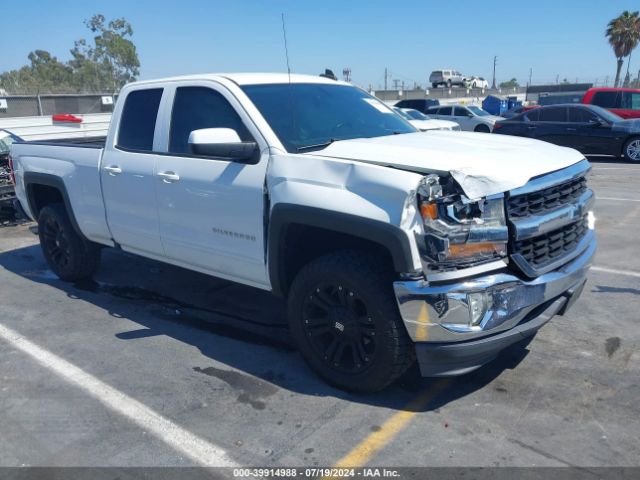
437, 316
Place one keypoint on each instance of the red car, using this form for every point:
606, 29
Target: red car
624, 102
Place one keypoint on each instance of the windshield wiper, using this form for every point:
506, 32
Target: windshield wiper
318, 146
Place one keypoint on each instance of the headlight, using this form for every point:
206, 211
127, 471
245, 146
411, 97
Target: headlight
459, 232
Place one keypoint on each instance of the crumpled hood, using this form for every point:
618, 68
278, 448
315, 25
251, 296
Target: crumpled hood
482, 164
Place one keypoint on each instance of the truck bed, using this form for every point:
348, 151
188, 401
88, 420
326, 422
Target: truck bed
76, 163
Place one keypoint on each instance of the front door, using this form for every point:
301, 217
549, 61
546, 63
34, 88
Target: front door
211, 210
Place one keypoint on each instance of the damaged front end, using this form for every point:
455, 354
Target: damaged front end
459, 233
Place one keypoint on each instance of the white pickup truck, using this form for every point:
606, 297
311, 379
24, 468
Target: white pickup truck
389, 244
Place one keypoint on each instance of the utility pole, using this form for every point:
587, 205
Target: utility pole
495, 60
395, 83
530, 75
385, 79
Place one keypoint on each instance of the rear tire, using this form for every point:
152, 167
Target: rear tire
631, 150
482, 129
70, 256
345, 321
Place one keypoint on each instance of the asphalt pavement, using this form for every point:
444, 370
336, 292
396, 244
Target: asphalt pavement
153, 365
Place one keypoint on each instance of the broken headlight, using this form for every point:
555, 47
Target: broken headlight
459, 232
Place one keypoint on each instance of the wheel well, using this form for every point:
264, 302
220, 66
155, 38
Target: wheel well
42, 195
300, 244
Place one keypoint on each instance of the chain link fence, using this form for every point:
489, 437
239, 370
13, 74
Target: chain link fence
50, 104
445, 93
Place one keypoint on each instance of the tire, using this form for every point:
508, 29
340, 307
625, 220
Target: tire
482, 128
474, 85
434, 85
345, 321
631, 150
70, 256
449, 84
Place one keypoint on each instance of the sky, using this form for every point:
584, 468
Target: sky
555, 39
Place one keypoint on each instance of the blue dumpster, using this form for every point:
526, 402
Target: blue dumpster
495, 105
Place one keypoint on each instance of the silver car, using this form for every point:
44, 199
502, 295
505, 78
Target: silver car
448, 78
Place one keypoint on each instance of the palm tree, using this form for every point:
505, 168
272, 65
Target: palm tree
623, 33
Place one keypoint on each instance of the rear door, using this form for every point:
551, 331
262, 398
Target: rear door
551, 125
127, 174
462, 118
211, 210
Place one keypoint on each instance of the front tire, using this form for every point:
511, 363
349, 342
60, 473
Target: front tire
631, 150
345, 321
482, 129
70, 256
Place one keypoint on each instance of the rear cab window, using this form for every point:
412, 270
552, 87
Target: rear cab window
138, 120
607, 99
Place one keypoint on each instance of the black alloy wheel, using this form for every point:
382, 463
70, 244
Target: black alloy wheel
340, 328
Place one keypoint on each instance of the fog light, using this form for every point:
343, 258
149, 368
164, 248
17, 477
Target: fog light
477, 307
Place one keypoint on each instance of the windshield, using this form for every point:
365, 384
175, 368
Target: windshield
416, 115
478, 111
404, 114
309, 116
606, 114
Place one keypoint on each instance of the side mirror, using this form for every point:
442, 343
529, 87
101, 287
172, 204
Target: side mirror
469, 114
598, 123
221, 142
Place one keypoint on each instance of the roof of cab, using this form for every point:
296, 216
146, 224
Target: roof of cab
248, 78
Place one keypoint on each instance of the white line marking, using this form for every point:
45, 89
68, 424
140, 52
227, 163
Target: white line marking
626, 273
615, 199
597, 169
181, 440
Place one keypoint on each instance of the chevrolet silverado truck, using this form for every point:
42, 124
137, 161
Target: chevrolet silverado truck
390, 245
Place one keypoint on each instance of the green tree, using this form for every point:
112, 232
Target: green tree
113, 54
513, 83
104, 64
623, 34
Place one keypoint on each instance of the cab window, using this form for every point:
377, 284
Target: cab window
201, 107
138, 120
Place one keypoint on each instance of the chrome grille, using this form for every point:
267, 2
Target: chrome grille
545, 249
548, 220
545, 200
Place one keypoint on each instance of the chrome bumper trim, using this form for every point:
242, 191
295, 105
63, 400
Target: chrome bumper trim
438, 313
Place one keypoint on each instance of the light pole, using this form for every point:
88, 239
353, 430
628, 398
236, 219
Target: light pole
493, 84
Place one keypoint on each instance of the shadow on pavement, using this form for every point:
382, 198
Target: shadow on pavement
171, 301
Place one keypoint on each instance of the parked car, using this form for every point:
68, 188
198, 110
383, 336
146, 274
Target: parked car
624, 102
423, 122
447, 78
587, 128
421, 104
388, 244
470, 117
518, 110
476, 82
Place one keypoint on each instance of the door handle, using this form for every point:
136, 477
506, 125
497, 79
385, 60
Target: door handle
113, 170
169, 177
531, 127
571, 129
